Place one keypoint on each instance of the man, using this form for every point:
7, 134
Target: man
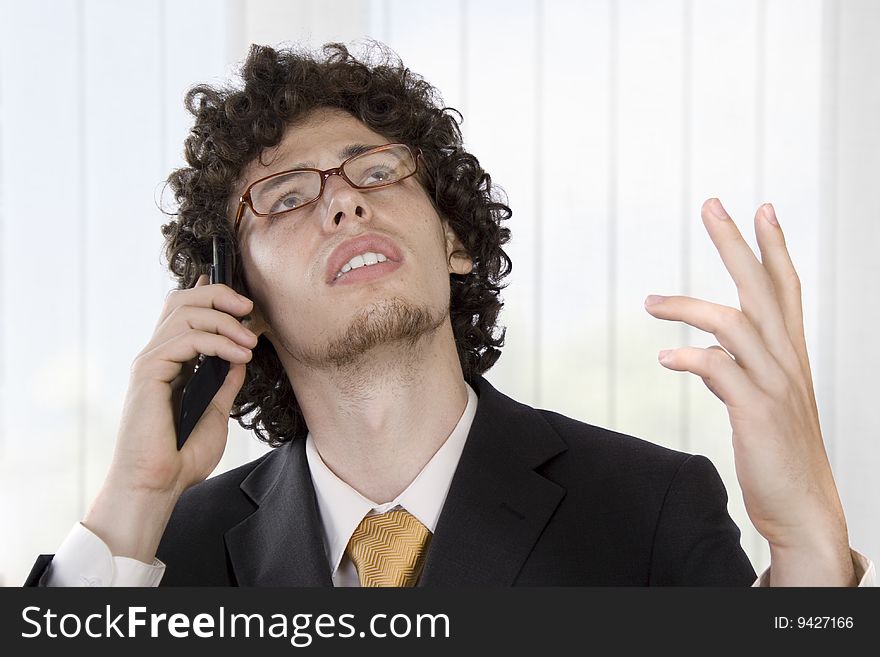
369, 251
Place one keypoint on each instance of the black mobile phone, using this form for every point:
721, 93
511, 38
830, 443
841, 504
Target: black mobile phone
210, 370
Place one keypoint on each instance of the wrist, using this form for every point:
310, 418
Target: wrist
130, 521
826, 563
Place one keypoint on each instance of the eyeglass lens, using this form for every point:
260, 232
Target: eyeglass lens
291, 190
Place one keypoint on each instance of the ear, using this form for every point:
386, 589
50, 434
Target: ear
456, 255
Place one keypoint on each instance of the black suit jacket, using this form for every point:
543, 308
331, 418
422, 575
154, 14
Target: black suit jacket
537, 499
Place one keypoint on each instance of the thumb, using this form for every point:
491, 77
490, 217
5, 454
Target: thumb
225, 397
217, 413
208, 439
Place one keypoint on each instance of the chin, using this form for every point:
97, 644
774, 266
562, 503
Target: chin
387, 322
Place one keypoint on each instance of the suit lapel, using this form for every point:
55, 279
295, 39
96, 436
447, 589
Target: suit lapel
496, 508
497, 505
281, 543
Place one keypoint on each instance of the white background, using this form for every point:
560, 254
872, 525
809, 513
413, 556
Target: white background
607, 123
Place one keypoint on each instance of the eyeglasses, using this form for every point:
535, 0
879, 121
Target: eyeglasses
293, 190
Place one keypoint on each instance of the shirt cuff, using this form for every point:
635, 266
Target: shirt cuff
864, 567
85, 560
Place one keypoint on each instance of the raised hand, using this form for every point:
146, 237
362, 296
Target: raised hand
148, 473
761, 372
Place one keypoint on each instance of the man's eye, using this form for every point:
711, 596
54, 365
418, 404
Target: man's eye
286, 202
377, 175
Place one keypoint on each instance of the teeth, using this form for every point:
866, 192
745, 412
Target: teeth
368, 258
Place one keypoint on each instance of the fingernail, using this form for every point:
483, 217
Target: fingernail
718, 210
243, 299
663, 356
653, 299
770, 214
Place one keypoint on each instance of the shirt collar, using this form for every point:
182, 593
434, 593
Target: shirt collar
342, 508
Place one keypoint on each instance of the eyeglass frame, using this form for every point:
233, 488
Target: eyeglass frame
246, 201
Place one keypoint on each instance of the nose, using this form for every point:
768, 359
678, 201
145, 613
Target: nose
342, 201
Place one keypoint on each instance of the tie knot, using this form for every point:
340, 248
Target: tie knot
389, 549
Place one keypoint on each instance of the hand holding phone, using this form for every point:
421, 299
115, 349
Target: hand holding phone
149, 472
211, 370
167, 406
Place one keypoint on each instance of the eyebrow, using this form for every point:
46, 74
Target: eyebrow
349, 151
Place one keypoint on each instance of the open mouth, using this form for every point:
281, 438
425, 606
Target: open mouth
366, 272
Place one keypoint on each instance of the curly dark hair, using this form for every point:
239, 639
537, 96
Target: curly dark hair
233, 124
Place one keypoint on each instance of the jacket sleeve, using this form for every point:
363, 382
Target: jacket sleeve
696, 543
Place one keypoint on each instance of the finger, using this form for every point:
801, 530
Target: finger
163, 363
217, 296
733, 330
212, 427
724, 378
184, 318
786, 283
757, 295
708, 382
225, 397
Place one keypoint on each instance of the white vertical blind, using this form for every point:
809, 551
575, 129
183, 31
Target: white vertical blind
43, 361
646, 241
499, 128
122, 128
606, 122
724, 163
853, 294
574, 211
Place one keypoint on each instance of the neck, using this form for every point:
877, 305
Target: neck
378, 421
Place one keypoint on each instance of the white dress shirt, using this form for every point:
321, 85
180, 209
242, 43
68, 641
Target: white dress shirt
85, 560
342, 508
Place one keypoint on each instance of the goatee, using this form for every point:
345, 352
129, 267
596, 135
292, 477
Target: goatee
386, 322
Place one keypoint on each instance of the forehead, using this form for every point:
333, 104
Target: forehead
318, 141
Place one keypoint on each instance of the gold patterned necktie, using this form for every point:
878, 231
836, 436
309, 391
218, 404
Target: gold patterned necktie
389, 549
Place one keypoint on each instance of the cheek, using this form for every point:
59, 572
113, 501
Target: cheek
436, 270
269, 269
427, 228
